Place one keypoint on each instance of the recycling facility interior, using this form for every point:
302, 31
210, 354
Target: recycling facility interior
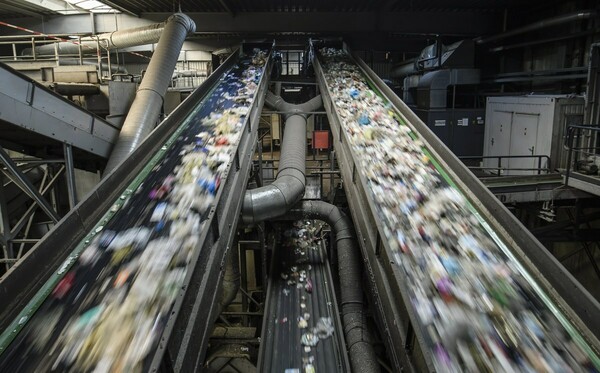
299, 186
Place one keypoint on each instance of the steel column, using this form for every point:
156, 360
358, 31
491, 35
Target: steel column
4, 224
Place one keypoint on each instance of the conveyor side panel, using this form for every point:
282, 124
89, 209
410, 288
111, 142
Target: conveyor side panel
31, 106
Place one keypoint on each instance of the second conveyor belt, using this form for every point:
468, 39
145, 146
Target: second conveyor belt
115, 303
455, 285
301, 327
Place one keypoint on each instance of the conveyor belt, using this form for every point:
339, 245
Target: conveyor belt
521, 309
131, 271
289, 301
31, 114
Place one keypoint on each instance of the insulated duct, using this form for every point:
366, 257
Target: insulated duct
231, 278
358, 338
111, 40
148, 101
279, 104
276, 199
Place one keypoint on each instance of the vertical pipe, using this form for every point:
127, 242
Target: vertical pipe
331, 176
70, 174
79, 48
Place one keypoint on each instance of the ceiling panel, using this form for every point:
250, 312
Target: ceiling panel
18, 8
239, 6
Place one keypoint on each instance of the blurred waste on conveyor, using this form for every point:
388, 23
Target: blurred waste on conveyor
110, 308
477, 310
303, 242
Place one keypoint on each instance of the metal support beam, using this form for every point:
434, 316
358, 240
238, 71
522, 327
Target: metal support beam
226, 6
26, 185
71, 188
4, 225
121, 8
31, 209
467, 23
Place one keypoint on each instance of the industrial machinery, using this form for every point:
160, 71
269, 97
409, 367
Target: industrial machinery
452, 279
440, 86
525, 134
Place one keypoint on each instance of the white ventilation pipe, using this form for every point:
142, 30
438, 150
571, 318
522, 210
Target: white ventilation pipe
148, 101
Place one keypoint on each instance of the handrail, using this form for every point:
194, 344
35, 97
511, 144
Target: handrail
569, 139
500, 168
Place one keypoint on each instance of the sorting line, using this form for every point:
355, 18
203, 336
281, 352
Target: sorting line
486, 227
18, 355
282, 341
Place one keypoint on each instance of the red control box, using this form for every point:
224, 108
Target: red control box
320, 139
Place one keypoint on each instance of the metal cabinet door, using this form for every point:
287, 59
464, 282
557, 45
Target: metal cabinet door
523, 136
499, 138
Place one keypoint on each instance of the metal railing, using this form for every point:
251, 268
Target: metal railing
581, 140
541, 166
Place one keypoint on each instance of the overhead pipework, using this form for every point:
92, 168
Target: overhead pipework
148, 101
277, 198
132, 37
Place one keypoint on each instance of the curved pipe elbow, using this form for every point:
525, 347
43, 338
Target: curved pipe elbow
185, 21
279, 104
273, 200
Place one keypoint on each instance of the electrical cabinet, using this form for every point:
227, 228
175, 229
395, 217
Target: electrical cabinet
519, 128
460, 129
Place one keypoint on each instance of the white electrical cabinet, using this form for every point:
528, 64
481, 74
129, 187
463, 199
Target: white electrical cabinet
521, 127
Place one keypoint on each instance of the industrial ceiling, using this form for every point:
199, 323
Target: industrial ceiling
36, 8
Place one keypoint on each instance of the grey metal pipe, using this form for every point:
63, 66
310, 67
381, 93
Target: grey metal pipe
555, 21
111, 40
148, 101
356, 332
231, 278
403, 69
278, 103
277, 198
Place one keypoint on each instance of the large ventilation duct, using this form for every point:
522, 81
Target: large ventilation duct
279, 104
111, 40
276, 199
148, 101
358, 338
